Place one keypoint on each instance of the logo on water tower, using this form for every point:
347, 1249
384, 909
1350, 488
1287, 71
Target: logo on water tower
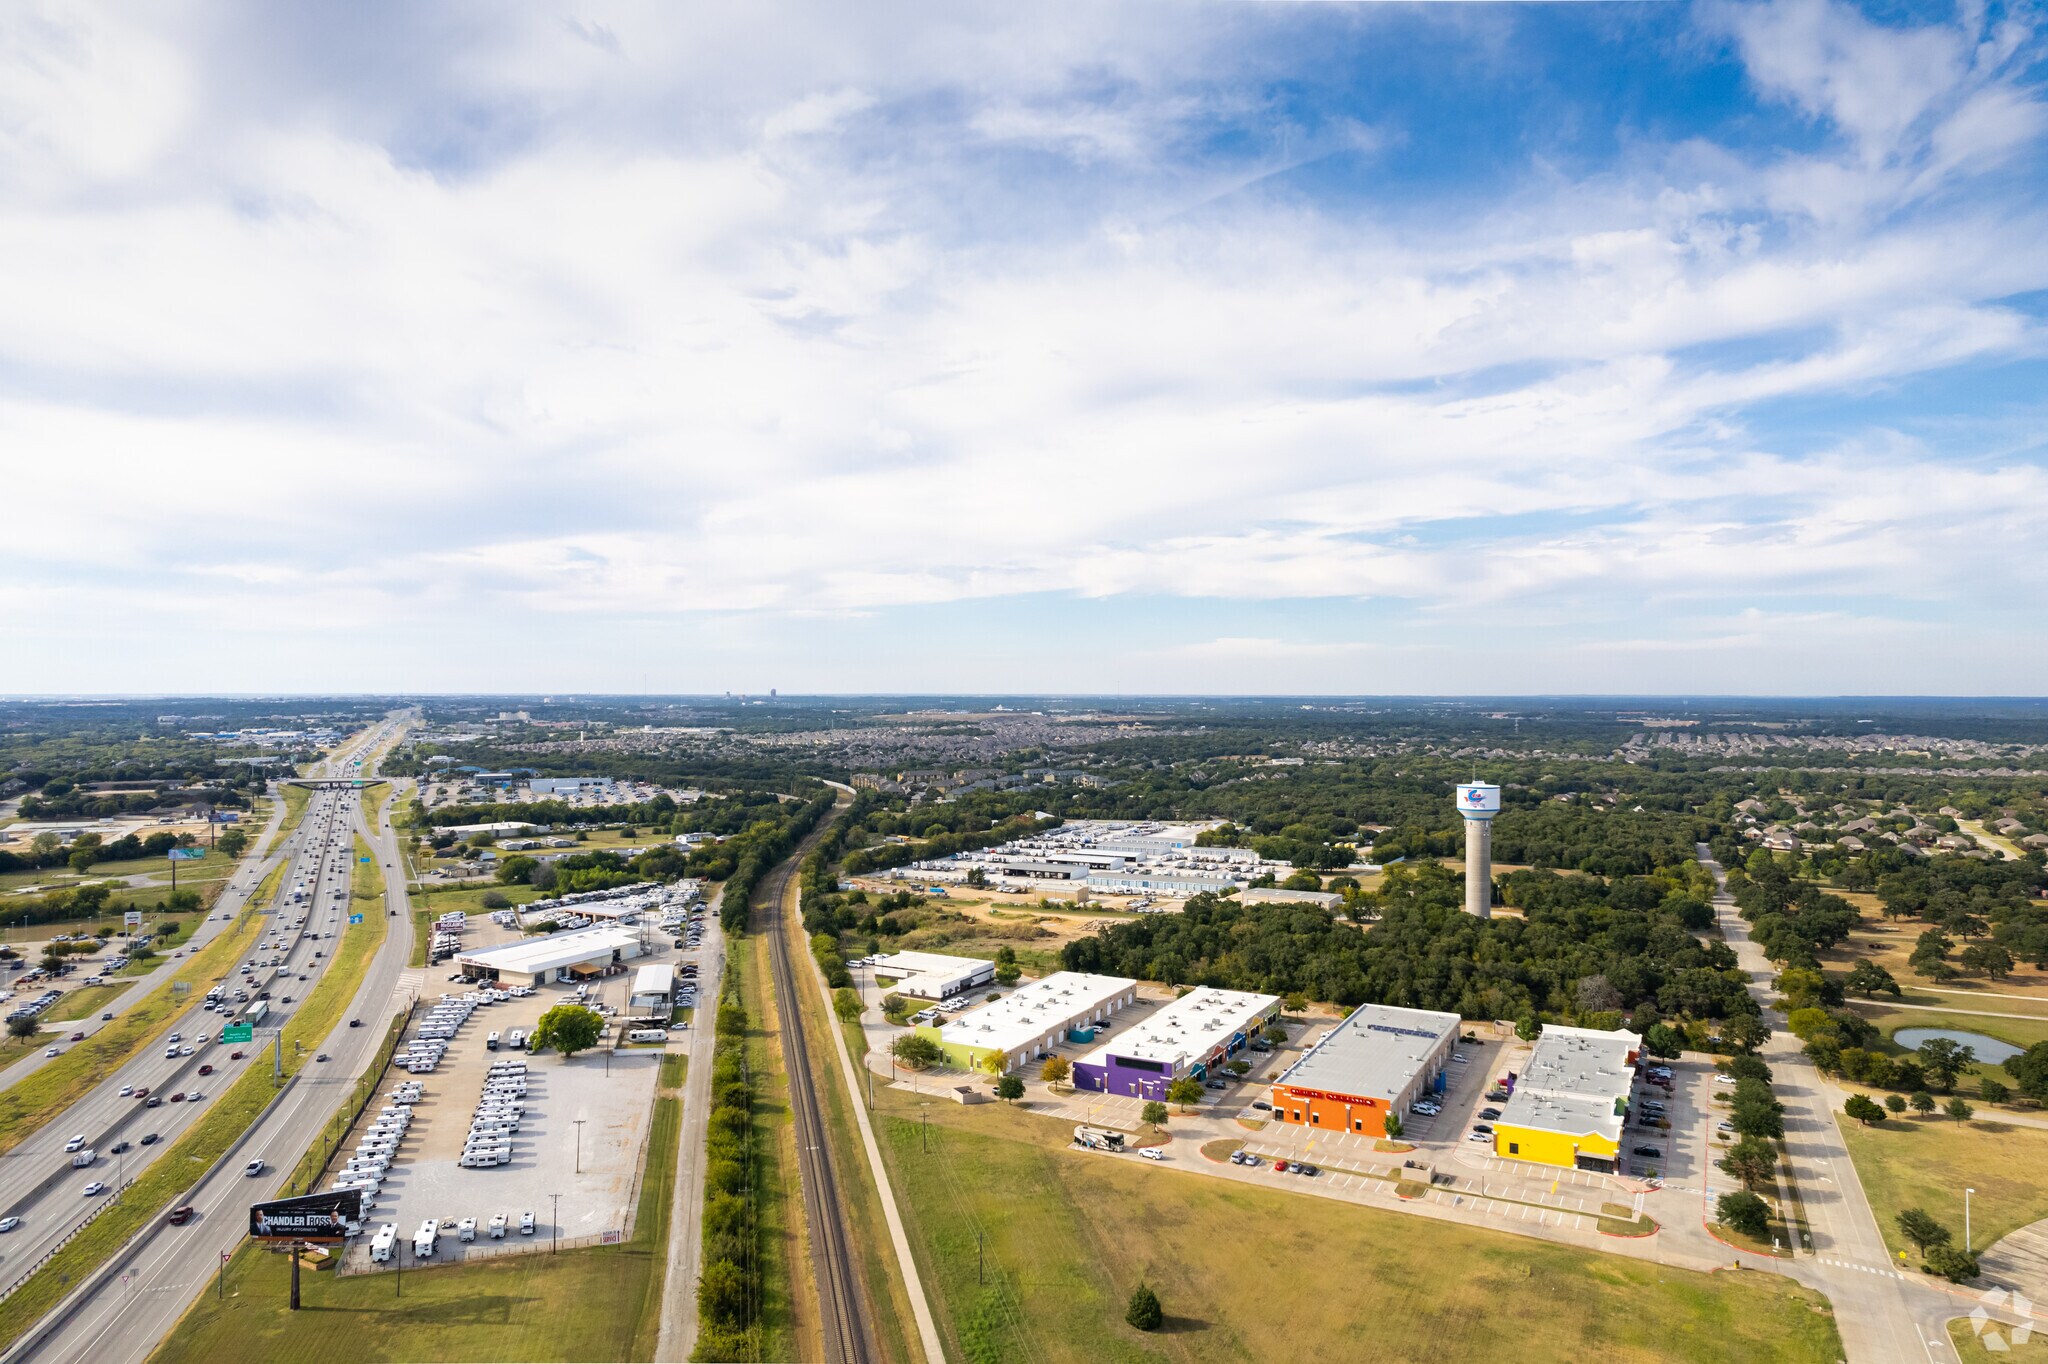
1479, 799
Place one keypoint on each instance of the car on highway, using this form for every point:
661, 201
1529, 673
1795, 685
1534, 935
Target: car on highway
234, 1056
206, 1070
253, 1169
9, 1223
178, 1097
119, 1147
321, 1057
95, 1189
127, 1091
150, 1139
355, 1022
78, 1037
53, 1052
181, 1214
107, 1017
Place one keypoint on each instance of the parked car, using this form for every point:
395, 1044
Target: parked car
1649, 1152
1152, 1153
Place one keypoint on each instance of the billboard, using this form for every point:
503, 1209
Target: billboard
131, 919
186, 854
311, 1217
1478, 800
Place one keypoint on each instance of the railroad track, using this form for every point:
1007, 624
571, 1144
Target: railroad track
839, 1302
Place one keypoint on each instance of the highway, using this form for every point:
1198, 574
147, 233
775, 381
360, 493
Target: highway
839, 1301
156, 1276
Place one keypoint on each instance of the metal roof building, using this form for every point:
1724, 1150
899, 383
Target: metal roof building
1030, 1019
553, 957
1377, 1061
1194, 1033
933, 975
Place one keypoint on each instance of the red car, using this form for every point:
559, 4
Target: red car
206, 1070
142, 1093
179, 1097
78, 1037
180, 1215
234, 1056
1279, 1167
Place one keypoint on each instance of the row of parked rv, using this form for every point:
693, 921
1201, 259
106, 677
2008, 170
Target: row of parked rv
378, 1146
497, 1117
430, 1043
423, 1240
447, 936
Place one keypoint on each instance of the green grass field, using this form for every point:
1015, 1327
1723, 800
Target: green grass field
1248, 1273
599, 1302
85, 1003
2020, 1032
1928, 1162
470, 899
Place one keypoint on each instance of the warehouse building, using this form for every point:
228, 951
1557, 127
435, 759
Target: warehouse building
933, 975
558, 956
1028, 1021
1189, 1037
1274, 895
1376, 1062
654, 988
1175, 884
1571, 1099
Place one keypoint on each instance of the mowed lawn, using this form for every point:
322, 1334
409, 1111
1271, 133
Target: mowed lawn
1248, 1273
1963, 1334
2019, 1032
595, 1302
1928, 1162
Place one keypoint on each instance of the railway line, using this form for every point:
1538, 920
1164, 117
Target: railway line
847, 1340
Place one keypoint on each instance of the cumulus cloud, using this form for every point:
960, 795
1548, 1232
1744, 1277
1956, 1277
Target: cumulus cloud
573, 322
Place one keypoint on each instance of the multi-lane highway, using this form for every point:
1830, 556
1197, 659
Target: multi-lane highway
142, 1298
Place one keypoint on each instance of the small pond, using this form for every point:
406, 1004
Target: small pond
1988, 1049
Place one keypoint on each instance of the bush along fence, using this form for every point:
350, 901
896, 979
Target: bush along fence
729, 1281
764, 854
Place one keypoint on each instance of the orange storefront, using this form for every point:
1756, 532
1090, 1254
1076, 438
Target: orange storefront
1337, 1112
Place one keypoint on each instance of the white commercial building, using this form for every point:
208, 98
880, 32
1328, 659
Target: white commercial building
558, 956
654, 987
1030, 1019
1192, 1036
933, 975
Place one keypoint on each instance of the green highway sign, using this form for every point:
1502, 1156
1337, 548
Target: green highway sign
238, 1032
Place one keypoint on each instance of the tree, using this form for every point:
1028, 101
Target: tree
1753, 1161
1895, 1104
2029, 1070
976, 877
1055, 1070
1526, 1027
1745, 1032
846, 1004
1744, 1212
1144, 1312
1959, 1108
517, 870
917, 1052
1186, 1091
1922, 1101
1276, 1036
1987, 958
1992, 1092
1867, 978
1394, 1125
1661, 1039
1295, 1002
1009, 1088
1863, 1110
1154, 1114
1942, 1059
1951, 1264
22, 1027
1922, 1230
1007, 973
496, 899
568, 1028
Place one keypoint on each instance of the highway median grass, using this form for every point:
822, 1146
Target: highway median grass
41, 1095
229, 1116
593, 1303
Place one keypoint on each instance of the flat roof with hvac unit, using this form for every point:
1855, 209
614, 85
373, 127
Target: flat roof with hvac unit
1376, 1061
1030, 1019
1200, 1029
1570, 1101
933, 975
540, 959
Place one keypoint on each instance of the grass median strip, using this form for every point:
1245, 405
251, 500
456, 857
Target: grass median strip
41, 1095
173, 1172
595, 1302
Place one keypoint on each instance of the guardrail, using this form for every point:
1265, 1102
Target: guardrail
64, 1241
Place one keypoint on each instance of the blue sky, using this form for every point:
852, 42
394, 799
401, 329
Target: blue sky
1162, 347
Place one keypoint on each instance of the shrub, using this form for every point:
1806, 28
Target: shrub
1744, 1212
1144, 1311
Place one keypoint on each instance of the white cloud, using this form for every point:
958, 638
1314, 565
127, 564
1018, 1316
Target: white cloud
812, 342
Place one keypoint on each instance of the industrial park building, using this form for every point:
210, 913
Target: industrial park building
1189, 1037
558, 956
1376, 1062
1026, 1022
1571, 1099
654, 987
933, 975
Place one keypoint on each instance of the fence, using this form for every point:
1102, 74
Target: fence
69, 1237
303, 1179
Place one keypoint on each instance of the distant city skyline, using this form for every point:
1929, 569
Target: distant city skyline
1109, 349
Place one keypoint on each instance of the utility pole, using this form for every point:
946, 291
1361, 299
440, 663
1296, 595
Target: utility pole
555, 1223
398, 1273
579, 1146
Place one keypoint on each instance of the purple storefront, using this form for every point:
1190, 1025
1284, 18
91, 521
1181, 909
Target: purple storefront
1191, 1036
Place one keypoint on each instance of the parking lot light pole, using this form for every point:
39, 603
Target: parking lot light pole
579, 1145
1968, 1247
555, 1223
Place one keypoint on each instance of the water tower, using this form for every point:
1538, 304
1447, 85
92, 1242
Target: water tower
1478, 802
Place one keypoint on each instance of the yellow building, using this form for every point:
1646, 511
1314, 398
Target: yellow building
1571, 1101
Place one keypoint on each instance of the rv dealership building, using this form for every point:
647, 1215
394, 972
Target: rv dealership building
558, 956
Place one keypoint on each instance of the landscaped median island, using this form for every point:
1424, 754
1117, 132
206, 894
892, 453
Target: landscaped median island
595, 1302
191, 1154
